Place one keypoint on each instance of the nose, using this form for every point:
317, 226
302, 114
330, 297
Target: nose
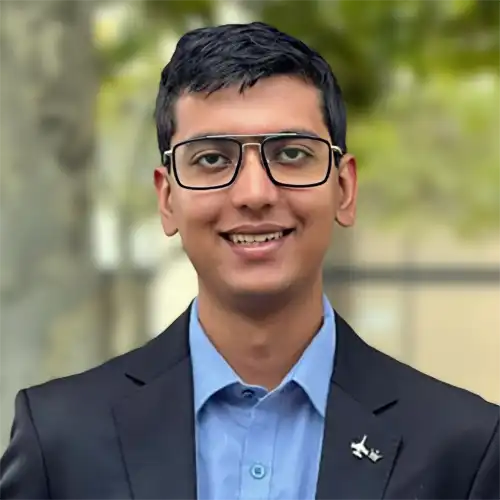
253, 189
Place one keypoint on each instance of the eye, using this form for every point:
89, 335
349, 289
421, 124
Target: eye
291, 154
212, 160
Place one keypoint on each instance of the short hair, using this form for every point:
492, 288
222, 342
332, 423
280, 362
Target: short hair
211, 58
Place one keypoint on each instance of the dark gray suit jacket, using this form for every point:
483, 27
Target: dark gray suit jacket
126, 430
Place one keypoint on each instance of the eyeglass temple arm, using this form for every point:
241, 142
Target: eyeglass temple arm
166, 158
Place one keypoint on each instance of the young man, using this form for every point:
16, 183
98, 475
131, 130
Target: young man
259, 390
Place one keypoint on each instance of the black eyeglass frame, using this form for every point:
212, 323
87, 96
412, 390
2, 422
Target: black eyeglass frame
168, 158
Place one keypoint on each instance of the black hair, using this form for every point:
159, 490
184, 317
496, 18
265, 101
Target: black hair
211, 58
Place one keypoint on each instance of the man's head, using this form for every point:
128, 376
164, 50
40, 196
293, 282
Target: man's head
222, 195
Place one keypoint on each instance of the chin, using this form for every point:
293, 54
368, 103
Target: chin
260, 290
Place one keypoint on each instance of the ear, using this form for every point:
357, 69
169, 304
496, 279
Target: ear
163, 188
348, 191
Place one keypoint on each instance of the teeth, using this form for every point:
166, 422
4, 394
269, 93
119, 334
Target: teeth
255, 238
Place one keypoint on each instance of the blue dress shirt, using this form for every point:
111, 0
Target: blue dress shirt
252, 443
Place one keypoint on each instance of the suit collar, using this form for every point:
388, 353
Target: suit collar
363, 372
156, 422
160, 354
361, 396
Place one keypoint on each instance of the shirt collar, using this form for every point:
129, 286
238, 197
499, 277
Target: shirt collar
313, 371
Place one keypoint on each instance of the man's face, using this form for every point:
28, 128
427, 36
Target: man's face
253, 204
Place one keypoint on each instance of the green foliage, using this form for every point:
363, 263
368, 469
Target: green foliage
433, 156
364, 41
180, 14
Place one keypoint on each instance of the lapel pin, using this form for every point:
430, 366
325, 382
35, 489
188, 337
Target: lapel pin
359, 450
374, 456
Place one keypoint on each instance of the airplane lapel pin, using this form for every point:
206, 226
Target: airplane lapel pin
359, 450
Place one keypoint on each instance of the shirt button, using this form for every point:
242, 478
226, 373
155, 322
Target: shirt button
247, 393
257, 471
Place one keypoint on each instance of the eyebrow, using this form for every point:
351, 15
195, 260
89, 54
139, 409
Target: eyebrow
299, 131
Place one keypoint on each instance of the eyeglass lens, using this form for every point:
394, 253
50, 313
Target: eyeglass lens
213, 162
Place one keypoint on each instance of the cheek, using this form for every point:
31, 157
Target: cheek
195, 212
314, 207
315, 210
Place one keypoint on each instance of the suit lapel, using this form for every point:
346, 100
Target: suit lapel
155, 423
359, 405
343, 475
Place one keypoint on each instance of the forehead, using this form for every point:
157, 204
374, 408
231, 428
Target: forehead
272, 105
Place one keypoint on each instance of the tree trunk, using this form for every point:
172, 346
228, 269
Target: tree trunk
50, 322
130, 328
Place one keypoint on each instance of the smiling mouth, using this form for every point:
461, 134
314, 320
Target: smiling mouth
255, 239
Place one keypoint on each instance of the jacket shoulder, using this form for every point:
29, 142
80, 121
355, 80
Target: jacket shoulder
436, 400
99, 383
114, 376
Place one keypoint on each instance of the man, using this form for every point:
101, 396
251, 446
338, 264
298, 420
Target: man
259, 390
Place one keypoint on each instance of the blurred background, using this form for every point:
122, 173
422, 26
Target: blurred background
86, 272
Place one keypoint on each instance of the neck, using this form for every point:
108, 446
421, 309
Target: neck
262, 347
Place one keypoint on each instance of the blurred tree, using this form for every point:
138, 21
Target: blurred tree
50, 320
363, 41
432, 155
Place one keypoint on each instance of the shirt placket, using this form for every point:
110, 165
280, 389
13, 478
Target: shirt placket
258, 453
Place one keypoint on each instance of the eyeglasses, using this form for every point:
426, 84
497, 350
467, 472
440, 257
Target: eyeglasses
290, 160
